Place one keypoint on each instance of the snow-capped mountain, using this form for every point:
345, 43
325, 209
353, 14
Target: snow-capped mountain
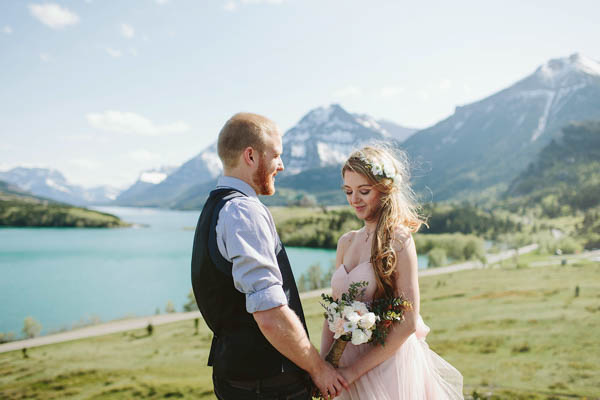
101, 194
323, 137
52, 184
200, 169
146, 180
487, 143
326, 135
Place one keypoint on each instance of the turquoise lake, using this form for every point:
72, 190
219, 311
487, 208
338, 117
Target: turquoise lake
65, 276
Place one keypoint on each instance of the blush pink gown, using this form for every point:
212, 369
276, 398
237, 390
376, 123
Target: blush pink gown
414, 372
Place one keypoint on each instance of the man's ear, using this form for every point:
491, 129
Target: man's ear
249, 156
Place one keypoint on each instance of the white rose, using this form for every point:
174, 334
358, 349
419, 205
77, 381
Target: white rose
367, 321
347, 310
353, 317
359, 337
360, 307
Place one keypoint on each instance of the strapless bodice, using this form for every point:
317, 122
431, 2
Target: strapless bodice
341, 280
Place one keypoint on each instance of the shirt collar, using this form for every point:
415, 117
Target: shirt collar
238, 184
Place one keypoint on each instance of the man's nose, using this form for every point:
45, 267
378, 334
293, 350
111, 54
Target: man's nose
281, 167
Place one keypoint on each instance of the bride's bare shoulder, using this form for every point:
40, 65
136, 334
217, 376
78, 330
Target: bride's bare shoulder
345, 240
402, 238
344, 243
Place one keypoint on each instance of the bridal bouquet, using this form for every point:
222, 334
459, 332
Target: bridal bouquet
353, 321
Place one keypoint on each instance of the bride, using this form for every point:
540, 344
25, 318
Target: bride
383, 254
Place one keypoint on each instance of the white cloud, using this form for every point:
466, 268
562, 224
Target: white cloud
143, 155
390, 91
348, 91
230, 6
161, 2
45, 57
53, 15
7, 29
468, 90
262, 1
6, 147
423, 95
112, 52
133, 51
445, 84
128, 122
127, 31
85, 163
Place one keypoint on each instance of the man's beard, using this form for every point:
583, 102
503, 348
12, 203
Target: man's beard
262, 179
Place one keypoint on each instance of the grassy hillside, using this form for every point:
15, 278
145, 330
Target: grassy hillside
514, 333
566, 175
20, 209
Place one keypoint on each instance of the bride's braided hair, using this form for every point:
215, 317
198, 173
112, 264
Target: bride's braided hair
389, 175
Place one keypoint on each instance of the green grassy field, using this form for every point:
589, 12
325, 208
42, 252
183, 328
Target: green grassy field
514, 333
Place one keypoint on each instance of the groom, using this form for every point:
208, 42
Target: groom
243, 281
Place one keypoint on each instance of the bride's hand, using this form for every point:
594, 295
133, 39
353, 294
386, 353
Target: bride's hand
348, 373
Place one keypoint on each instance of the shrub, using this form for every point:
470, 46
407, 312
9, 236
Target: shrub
437, 257
31, 328
169, 308
191, 305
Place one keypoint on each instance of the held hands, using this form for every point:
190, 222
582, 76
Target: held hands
348, 373
329, 381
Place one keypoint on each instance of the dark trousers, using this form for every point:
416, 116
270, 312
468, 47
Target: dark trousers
229, 390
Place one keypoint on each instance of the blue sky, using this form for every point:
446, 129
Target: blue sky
102, 90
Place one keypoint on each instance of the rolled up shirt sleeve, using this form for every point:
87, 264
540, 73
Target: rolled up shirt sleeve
247, 238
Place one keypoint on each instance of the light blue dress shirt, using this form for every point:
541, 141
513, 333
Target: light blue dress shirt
247, 237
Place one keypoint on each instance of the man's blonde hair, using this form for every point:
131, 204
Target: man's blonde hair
241, 131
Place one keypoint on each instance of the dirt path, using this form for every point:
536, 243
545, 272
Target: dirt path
142, 322
99, 330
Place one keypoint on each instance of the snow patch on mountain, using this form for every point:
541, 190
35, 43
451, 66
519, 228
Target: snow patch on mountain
54, 185
153, 177
298, 150
213, 162
554, 71
326, 136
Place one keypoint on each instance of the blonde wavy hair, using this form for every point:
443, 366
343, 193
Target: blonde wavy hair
388, 171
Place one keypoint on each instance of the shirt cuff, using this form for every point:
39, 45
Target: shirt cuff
265, 299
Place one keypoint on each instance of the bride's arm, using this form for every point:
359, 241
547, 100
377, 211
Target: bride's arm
408, 285
327, 335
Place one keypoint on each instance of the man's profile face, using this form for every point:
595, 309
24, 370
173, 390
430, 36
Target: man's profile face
269, 165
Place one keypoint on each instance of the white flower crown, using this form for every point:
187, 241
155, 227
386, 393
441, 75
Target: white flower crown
384, 170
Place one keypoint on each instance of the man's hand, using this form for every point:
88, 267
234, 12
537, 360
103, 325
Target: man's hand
328, 380
285, 332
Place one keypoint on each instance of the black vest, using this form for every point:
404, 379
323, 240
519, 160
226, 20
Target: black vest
239, 350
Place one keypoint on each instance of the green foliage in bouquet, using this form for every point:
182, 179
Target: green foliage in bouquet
389, 310
355, 291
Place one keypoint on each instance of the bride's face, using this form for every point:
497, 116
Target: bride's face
361, 195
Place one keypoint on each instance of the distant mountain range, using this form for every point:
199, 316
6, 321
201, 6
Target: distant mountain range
321, 139
481, 148
145, 183
486, 144
51, 184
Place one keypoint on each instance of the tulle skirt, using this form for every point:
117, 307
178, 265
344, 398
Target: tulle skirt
414, 372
